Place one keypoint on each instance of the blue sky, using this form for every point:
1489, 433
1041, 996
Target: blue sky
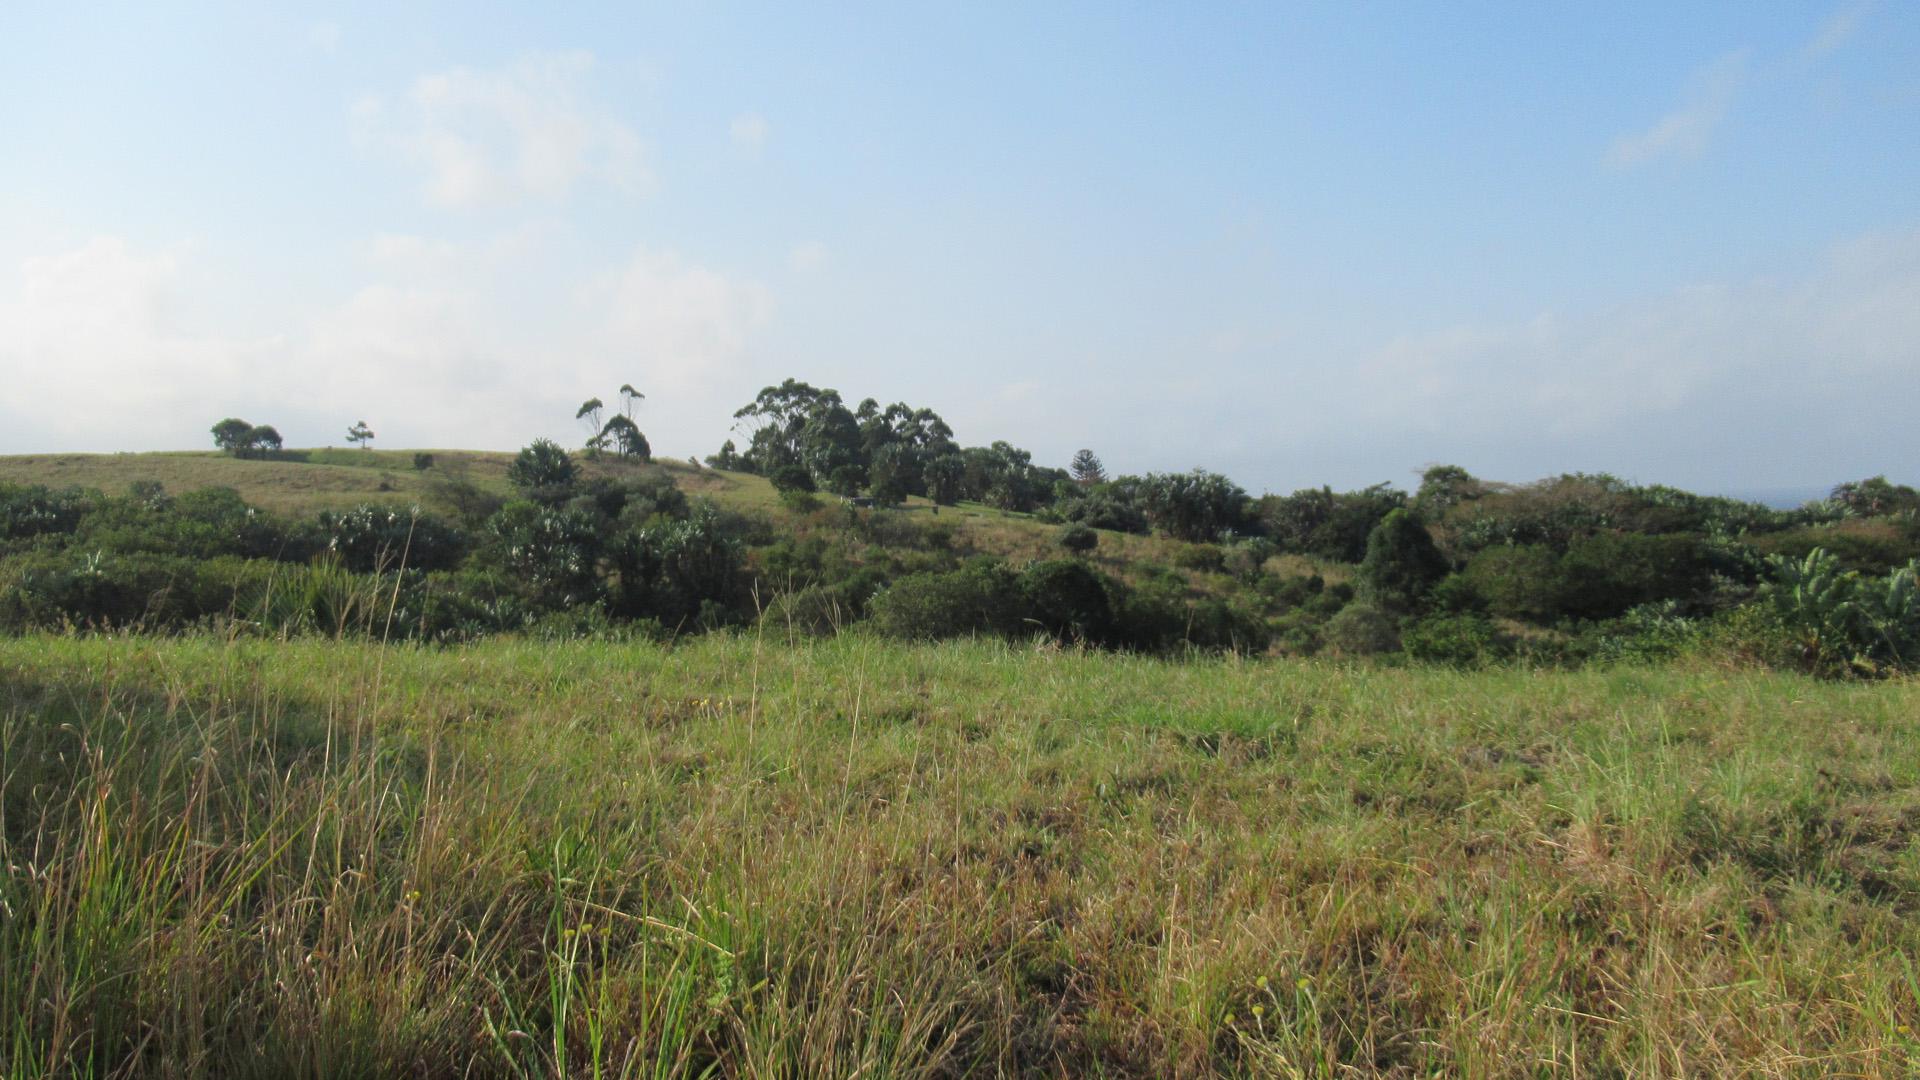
1296, 243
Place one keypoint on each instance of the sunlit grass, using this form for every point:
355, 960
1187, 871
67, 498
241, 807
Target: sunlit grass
849, 858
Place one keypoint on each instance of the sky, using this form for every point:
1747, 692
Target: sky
1295, 243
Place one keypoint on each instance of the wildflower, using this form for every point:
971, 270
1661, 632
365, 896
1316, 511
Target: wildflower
1261, 982
1259, 1011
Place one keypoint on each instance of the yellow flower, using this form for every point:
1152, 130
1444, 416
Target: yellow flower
1261, 982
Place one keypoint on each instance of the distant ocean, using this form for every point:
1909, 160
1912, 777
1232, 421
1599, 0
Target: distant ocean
1785, 498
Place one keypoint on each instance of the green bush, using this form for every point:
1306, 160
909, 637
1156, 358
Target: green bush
1362, 630
982, 598
1522, 581
1078, 539
1401, 564
1461, 639
1069, 601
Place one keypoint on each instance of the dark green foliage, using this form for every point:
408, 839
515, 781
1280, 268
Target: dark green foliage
1460, 639
28, 510
981, 599
1196, 506
201, 524
551, 551
380, 538
688, 574
543, 472
422, 462
1086, 469
624, 436
1606, 574
1362, 630
1401, 563
231, 435
792, 477
1078, 539
1875, 496
1331, 526
1116, 506
1069, 601
1518, 582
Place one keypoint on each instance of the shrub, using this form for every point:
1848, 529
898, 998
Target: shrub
1078, 539
422, 462
1457, 639
1206, 558
788, 478
543, 472
1604, 575
983, 598
1362, 630
369, 538
1519, 582
1069, 601
1401, 564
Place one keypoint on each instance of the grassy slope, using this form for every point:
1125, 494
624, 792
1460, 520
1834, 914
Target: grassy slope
333, 478
323, 858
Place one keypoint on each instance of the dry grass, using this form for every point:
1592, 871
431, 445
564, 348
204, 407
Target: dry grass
328, 858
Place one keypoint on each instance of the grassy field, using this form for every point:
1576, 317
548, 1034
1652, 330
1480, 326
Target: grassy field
742, 858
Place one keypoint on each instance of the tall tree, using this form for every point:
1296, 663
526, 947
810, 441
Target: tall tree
589, 414
1087, 470
629, 397
360, 433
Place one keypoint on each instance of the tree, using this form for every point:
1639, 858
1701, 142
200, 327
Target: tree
629, 398
231, 435
263, 440
360, 433
728, 458
1194, 506
544, 472
1401, 563
625, 437
946, 478
589, 414
1087, 470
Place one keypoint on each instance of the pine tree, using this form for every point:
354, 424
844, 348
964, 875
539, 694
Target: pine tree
1087, 469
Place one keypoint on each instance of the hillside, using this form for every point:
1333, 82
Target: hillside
459, 545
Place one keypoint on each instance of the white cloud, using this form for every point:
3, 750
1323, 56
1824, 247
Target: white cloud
97, 356
674, 325
750, 131
1837, 29
489, 138
808, 258
440, 347
1684, 131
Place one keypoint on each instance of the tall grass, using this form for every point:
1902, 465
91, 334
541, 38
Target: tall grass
842, 858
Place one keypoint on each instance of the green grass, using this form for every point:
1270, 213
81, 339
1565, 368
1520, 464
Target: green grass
741, 858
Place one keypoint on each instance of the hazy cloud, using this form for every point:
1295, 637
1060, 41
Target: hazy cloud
749, 131
808, 258
1837, 29
97, 355
488, 138
1684, 131
324, 36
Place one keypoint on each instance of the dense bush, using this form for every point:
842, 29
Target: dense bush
1069, 601
368, 538
983, 598
1401, 563
1078, 539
